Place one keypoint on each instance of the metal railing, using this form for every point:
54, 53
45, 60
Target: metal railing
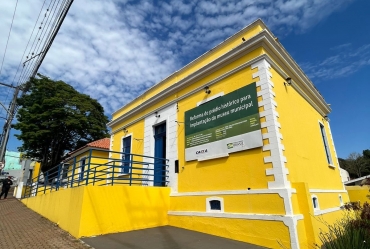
97, 170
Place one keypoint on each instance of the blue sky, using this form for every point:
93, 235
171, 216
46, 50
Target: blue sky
115, 49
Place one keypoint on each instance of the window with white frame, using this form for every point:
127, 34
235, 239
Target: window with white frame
340, 200
126, 156
215, 204
81, 169
326, 144
315, 202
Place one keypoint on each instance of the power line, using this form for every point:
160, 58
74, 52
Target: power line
6, 99
20, 63
52, 9
24, 87
6, 46
23, 73
7, 95
63, 9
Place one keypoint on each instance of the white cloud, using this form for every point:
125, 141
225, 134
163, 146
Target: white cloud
346, 62
115, 49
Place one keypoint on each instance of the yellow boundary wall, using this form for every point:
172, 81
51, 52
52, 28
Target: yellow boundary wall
358, 193
91, 210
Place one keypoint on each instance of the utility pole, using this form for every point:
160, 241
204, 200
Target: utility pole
10, 115
25, 86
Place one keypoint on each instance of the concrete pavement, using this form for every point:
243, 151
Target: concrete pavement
21, 227
165, 237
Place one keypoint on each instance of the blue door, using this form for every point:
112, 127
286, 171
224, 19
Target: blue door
126, 149
160, 154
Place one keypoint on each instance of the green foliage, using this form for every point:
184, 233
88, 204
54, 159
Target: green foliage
54, 119
366, 154
356, 164
352, 231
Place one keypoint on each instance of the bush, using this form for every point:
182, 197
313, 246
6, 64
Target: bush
352, 231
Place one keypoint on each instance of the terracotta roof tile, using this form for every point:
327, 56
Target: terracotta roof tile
101, 143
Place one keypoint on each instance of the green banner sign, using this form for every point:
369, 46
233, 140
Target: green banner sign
227, 116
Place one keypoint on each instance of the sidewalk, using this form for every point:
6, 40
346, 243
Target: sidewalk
21, 227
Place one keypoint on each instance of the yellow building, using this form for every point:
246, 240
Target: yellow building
251, 155
87, 163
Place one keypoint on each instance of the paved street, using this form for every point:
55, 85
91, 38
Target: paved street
20, 227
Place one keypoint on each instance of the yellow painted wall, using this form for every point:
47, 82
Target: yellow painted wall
218, 177
136, 131
121, 208
358, 193
233, 172
261, 232
91, 210
311, 226
320, 222
63, 207
330, 200
251, 203
97, 167
234, 80
36, 170
305, 152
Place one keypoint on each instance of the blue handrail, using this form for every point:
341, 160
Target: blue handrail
101, 171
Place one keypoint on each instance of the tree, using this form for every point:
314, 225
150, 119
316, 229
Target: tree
54, 119
356, 164
366, 154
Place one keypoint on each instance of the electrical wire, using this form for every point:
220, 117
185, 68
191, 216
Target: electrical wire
6, 99
35, 63
20, 63
6, 46
41, 39
24, 52
61, 13
51, 30
21, 75
24, 87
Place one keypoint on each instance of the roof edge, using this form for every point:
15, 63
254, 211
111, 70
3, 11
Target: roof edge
229, 39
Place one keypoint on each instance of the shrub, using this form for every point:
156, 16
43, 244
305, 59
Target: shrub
352, 231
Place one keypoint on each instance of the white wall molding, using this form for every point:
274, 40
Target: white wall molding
328, 191
280, 192
246, 216
286, 194
168, 115
325, 211
275, 146
263, 39
110, 154
210, 98
292, 225
201, 88
289, 221
332, 142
